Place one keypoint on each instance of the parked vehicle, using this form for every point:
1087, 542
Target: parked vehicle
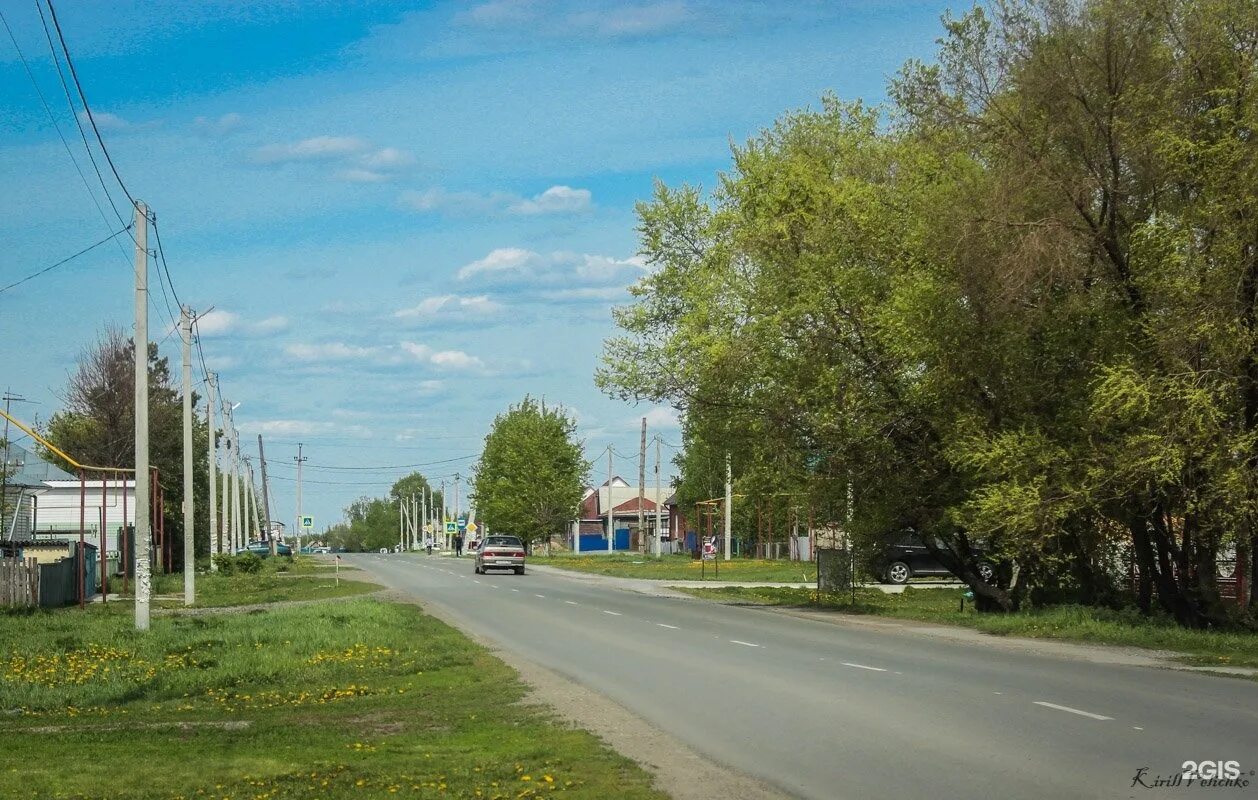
908, 558
500, 552
263, 549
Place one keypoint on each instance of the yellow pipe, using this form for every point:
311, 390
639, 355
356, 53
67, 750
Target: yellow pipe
42, 440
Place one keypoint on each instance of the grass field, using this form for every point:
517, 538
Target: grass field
1072, 623
360, 698
683, 567
279, 579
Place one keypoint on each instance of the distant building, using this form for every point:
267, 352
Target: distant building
589, 531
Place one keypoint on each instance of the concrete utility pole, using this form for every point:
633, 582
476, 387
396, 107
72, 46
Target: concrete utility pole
642, 491
401, 521
143, 576
216, 540
227, 520
611, 533
423, 513
266, 497
300, 459
729, 502
659, 501
189, 557
442, 530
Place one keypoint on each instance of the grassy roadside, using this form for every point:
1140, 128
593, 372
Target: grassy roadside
278, 580
1069, 623
682, 567
362, 698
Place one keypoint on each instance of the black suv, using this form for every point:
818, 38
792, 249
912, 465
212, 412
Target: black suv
907, 557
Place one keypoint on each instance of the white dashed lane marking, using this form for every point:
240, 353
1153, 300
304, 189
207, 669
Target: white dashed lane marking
540, 595
670, 627
572, 602
744, 644
613, 613
1070, 710
862, 666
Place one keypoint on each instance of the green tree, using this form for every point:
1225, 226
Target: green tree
97, 427
531, 473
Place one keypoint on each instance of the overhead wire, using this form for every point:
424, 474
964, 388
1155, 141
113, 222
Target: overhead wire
83, 97
74, 113
65, 260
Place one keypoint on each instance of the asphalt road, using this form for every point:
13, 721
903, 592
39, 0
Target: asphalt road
835, 711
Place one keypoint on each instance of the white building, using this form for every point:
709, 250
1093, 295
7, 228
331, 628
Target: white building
54, 510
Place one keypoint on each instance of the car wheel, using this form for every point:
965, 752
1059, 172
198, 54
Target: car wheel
477, 569
987, 572
519, 570
899, 573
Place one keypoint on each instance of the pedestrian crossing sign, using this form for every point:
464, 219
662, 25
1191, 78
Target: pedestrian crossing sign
307, 522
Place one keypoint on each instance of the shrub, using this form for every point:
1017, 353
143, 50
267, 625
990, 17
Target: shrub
226, 563
248, 563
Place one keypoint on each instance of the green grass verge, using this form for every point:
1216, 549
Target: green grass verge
361, 698
279, 580
683, 567
1073, 623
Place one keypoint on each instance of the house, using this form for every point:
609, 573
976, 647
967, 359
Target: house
588, 533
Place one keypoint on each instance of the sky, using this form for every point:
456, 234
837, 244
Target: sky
396, 218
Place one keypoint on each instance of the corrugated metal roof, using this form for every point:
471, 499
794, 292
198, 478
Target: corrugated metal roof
30, 471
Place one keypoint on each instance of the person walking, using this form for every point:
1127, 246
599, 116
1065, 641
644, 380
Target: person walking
458, 545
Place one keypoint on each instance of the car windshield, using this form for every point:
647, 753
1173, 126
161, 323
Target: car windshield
503, 541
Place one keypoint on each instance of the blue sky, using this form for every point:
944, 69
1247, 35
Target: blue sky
404, 215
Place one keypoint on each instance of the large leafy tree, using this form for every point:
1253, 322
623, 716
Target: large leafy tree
531, 473
1017, 307
372, 522
96, 426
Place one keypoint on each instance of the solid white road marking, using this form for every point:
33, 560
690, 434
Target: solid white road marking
613, 613
862, 666
744, 644
670, 627
1070, 710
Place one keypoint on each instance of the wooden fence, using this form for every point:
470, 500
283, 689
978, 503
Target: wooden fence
19, 582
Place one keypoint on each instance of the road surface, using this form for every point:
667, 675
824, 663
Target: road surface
836, 711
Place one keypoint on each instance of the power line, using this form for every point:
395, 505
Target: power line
57, 127
65, 260
83, 97
384, 468
74, 114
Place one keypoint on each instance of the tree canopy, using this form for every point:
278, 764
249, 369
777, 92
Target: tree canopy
531, 473
1015, 307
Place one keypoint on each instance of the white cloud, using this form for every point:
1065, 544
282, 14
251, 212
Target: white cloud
449, 307
448, 359
572, 271
288, 427
388, 158
316, 148
615, 20
330, 351
357, 175
431, 387
599, 294
662, 417
220, 126
555, 200
104, 120
631, 20
221, 322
